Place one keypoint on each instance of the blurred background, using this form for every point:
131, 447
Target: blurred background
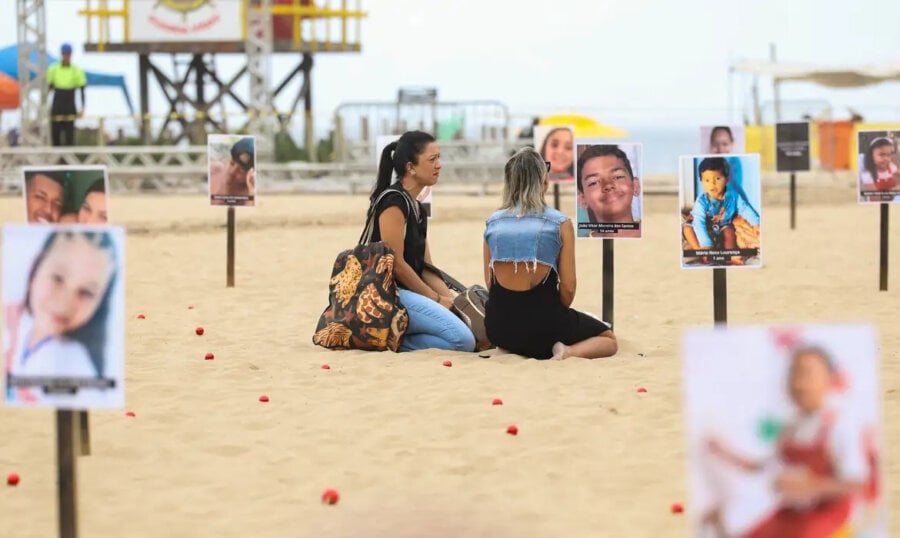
338, 73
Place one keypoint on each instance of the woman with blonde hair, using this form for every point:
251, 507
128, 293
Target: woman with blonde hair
528, 311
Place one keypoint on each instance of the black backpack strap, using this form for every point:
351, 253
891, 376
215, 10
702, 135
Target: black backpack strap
451, 282
369, 230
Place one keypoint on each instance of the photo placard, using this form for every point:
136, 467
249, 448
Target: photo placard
64, 302
722, 139
556, 144
232, 170
784, 431
65, 194
792, 147
720, 198
878, 159
608, 199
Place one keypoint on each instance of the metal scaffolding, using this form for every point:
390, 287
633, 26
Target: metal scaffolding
259, 68
32, 49
194, 87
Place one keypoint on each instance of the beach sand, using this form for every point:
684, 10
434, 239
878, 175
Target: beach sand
413, 447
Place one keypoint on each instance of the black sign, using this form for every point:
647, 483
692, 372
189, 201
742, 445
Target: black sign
414, 96
792, 147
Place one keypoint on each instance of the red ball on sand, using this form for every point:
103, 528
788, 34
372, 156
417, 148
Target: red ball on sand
129, 414
264, 398
448, 364
199, 331
330, 496
12, 479
512, 429
641, 389
497, 401
677, 508
209, 356
326, 367
190, 307
141, 316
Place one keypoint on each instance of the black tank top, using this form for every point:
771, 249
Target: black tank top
416, 226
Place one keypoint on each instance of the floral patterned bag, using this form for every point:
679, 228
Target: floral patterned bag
364, 309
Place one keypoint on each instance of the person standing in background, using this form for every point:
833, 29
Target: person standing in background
64, 79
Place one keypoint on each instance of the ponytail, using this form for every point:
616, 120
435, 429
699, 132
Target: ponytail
397, 155
385, 170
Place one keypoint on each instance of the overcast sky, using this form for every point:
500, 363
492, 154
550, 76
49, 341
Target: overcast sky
632, 61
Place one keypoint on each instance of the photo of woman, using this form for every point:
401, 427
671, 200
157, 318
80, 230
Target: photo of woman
722, 139
63, 298
556, 144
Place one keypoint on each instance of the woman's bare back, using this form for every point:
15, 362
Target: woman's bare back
519, 277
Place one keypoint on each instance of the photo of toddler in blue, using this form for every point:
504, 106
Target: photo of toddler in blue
720, 216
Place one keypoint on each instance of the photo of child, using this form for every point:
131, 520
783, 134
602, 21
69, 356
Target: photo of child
879, 166
63, 324
556, 144
608, 190
721, 139
720, 200
65, 194
232, 170
784, 432
381, 141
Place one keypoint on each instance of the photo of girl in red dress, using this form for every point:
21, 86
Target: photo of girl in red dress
819, 475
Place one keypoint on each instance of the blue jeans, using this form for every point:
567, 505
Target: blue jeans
431, 326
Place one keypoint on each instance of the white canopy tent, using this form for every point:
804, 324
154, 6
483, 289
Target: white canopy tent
828, 76
849, 77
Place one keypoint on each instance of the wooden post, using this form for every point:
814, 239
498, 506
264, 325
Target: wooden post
230, 254
720, 296
608, 280
883, 250
65, 463
84, 433
793, 200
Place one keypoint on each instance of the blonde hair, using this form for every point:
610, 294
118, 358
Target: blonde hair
523, 187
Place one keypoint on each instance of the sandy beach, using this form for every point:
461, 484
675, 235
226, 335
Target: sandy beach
413, 447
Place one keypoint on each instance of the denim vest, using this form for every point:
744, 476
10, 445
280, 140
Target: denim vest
530, 238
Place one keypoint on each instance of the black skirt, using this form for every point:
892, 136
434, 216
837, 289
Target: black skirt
529, 322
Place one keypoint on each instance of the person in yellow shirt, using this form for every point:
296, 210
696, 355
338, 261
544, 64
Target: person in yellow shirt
64, 79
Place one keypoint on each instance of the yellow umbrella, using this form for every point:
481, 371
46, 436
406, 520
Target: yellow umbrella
584, 126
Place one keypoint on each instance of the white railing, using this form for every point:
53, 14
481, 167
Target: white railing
184, 169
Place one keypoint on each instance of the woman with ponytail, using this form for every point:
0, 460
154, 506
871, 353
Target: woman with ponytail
400, 221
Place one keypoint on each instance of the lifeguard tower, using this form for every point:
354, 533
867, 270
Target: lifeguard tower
193, 33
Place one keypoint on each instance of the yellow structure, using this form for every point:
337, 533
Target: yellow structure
761, 139
300, 26
202, 29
